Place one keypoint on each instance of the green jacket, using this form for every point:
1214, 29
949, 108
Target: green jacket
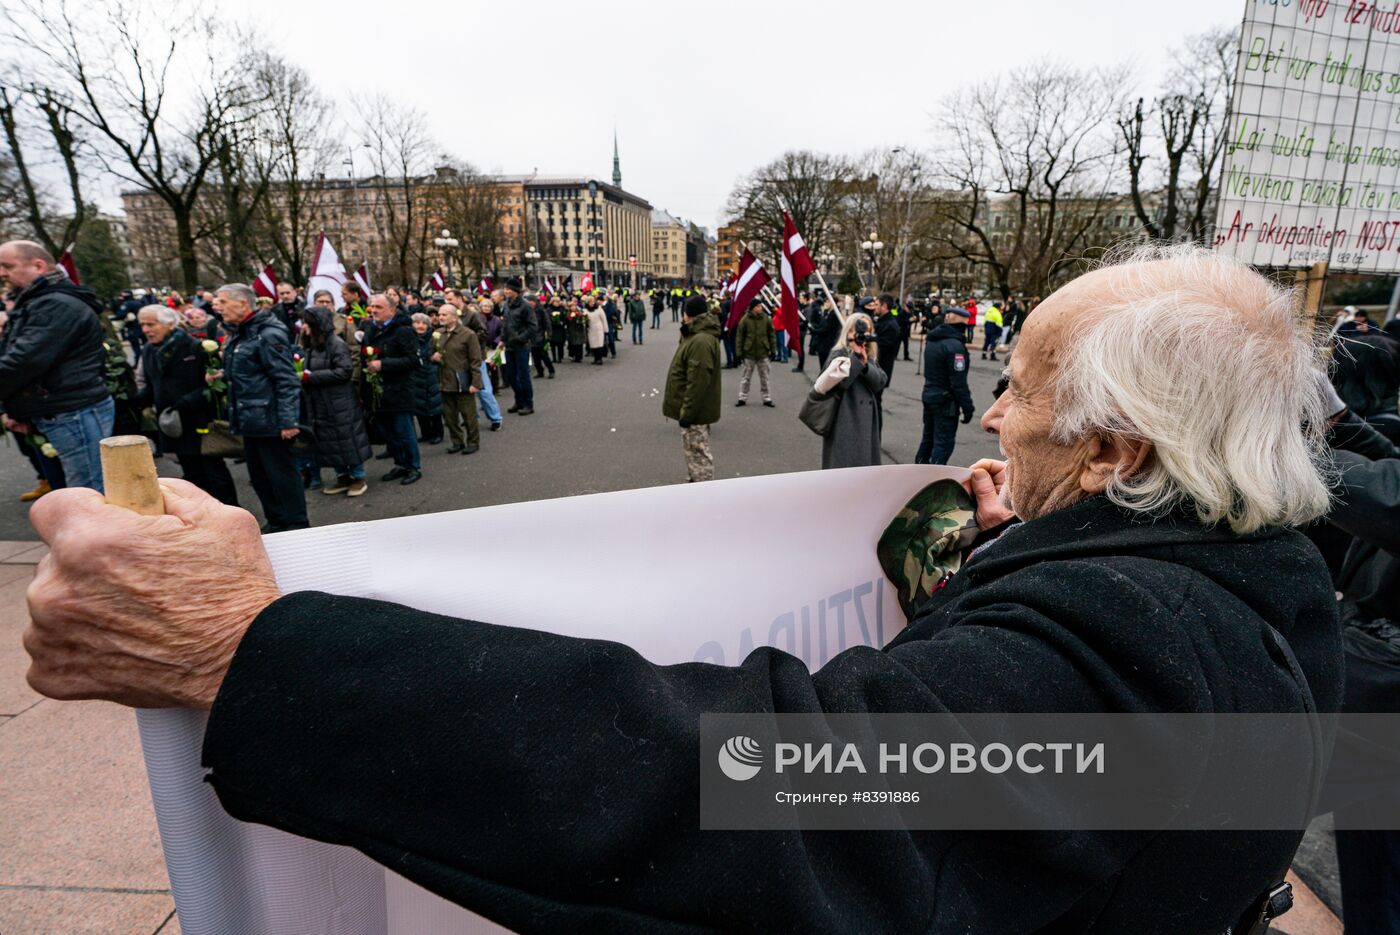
753, 339
693, 384
636, 309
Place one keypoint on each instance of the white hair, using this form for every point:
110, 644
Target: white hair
1216, 367
240, 293
164, 314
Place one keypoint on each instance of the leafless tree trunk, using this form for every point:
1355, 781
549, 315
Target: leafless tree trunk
811, 186
400, 150
55, 233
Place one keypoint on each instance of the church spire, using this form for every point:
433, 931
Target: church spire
617, 164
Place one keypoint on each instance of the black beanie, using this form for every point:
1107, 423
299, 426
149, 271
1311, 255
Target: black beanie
696, 305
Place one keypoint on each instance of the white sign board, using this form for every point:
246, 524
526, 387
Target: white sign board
1312, 165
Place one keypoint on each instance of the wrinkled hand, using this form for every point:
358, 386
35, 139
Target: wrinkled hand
375, 366
290, 433
436, 358
23, 428
127, 608
986, 484
215, 375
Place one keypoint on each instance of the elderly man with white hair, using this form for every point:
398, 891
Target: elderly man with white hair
264, 402
550, 783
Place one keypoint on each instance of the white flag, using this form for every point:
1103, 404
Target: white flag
327, 272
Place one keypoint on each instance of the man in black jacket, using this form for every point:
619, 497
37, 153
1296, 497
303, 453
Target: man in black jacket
264, 403
174, 364
551, 783
886, 339
391, 356
522, 332
52, 376
945, 388
288, 309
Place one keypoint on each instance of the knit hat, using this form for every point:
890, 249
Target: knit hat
695, 306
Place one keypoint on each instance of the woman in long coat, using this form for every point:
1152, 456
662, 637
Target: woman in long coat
332, 408
427, 394
597, 332
854, 439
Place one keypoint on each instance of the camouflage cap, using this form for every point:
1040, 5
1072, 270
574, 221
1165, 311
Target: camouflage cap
922, 547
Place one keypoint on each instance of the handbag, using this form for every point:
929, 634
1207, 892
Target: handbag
818, 411
216, 441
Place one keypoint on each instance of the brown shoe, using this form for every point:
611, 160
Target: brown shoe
342, 484
357, 487
39, 490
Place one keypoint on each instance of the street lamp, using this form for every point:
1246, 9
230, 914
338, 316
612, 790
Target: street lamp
532, 256
447, 243
872, 248
632, 265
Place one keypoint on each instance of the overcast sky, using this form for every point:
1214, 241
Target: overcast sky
700, 92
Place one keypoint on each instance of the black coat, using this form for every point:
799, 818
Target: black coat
887, 340
332, 410
51, 355
945, 369
174, 371
522, 327
264, 394
395, 344
1367, 371
427, 393
550, 783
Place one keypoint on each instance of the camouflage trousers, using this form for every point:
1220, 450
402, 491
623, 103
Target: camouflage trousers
747, 378
699, 459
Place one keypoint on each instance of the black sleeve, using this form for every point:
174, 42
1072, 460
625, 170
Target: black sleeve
957, 382
550, 782
1352, 433
42, 338
340, 368
1368, 500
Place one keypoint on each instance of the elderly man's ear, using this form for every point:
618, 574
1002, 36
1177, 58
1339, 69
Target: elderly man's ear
1105, 454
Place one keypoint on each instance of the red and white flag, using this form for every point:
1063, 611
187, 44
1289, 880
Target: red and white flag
748, 284
70, 269
797, 265
548, 287
484, 287
327, 272
437, 283
362, 280
586, 283
265, 284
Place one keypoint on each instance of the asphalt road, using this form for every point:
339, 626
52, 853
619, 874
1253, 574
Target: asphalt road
595, 429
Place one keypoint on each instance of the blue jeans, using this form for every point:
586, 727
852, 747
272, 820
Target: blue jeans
76, 434
354, 471
518, 359
400, 438
489, 406
637, 330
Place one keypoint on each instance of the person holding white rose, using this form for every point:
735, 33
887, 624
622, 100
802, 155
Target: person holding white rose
174, 363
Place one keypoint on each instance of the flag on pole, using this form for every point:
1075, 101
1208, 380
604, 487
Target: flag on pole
569, 283
747, 285
548, 289
437, 283
586, 283
484, 286
265, 284
797, 265
70, 269
327, 272
362, 280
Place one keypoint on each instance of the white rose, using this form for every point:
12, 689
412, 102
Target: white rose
48, 450
209, 346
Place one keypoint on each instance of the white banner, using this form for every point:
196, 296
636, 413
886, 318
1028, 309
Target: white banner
804, 577
1312, 166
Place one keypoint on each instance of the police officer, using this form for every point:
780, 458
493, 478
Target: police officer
945, 387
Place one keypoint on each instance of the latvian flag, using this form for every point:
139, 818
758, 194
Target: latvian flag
548, 287
437, 283
265, 284
797, 265
484, 287
327, 272
751, 279
70, 268
362, 280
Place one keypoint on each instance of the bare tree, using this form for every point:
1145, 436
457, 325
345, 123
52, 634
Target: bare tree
809, 185
1031, 162
469, 204
885, 189
56, 232
294, 130
116, 71
1173, 142
400, 151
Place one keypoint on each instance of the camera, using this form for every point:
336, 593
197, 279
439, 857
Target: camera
862, 335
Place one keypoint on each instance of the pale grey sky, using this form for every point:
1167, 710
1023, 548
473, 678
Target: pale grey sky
700, 92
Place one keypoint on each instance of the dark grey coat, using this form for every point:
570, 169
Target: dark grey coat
331, 406
427, 395
854, 440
